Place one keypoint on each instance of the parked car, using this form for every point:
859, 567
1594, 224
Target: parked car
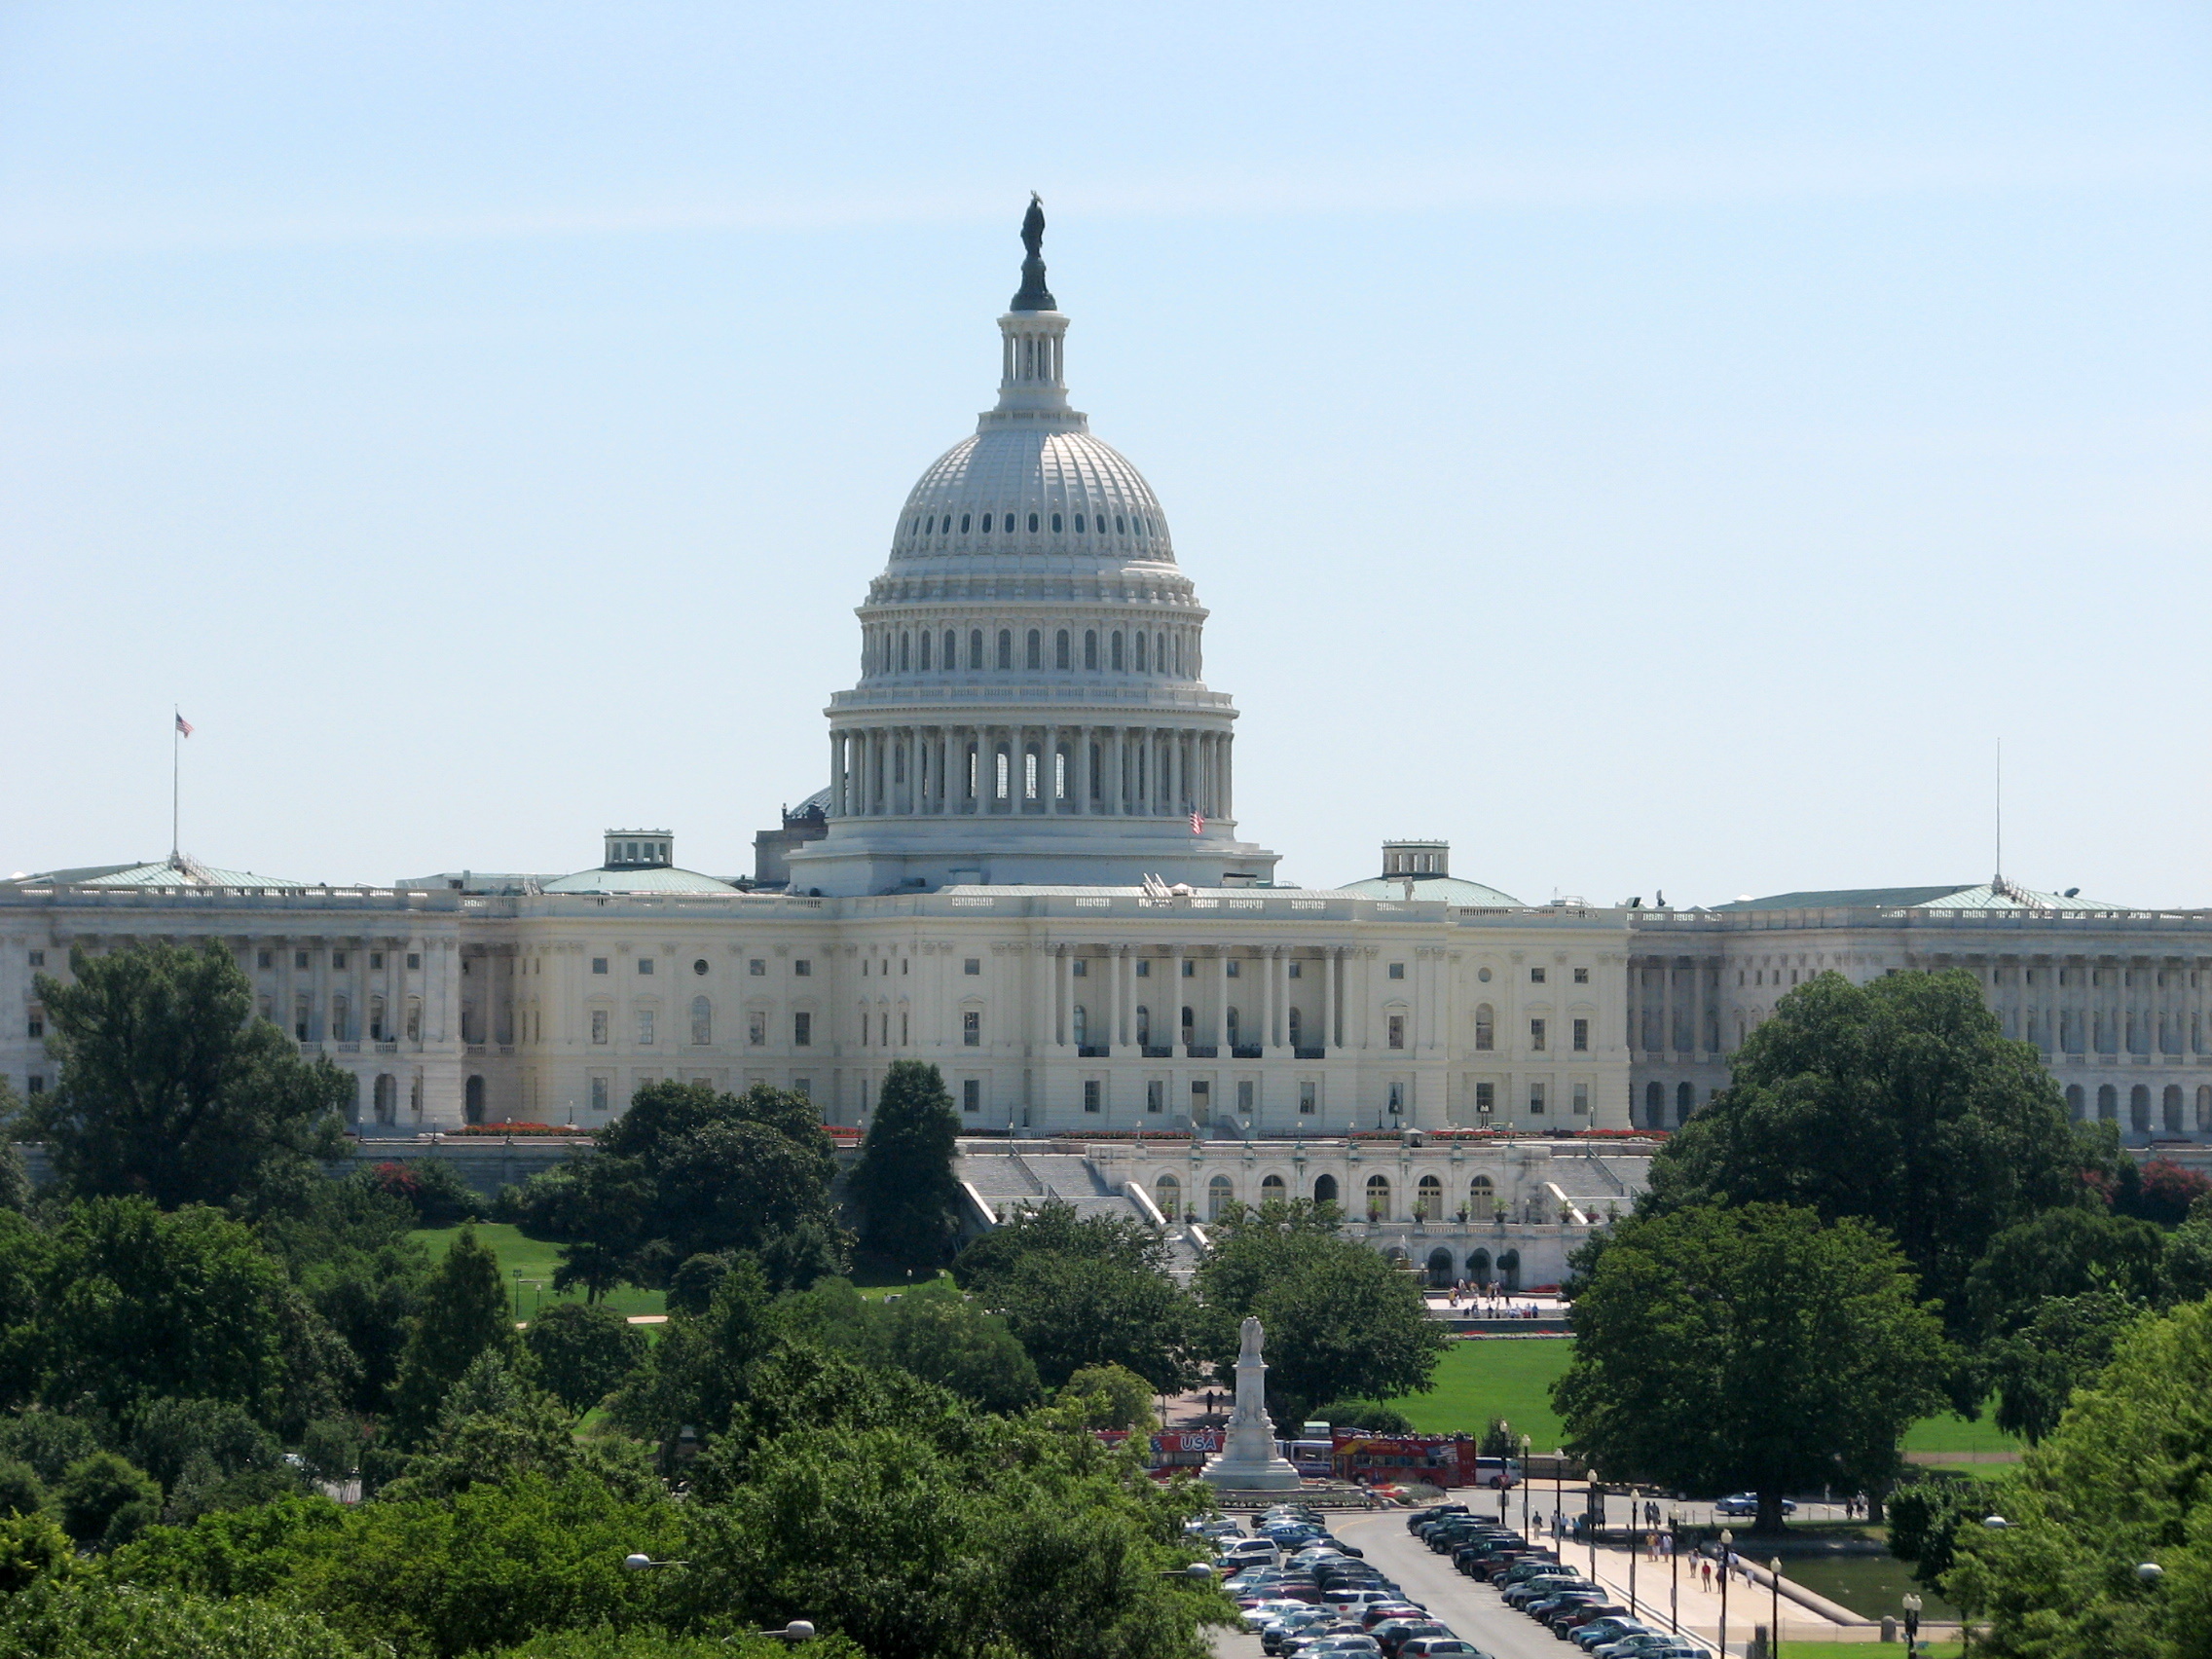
1440, 1647
1746, 1503
1600, 1630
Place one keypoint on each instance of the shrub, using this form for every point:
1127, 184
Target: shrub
107, 1500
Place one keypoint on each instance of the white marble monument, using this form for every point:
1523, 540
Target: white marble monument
1248, 1460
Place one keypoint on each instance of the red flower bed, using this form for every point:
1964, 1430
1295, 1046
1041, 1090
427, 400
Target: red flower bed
501, 1129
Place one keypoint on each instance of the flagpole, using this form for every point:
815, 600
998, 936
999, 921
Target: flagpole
176, 749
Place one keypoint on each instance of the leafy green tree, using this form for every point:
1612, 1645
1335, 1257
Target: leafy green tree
88, 1618
1342, 1321
14, 1177
604, 1644
904, 1181
2061, 1252
2124, 1480
1899, 1101
432, 1189
21, 1491
583, 1352
2185, 1275
1054, 1227
171, 1090
944, 1336
464, 1312
106, 1500
692, 1287
1751, 1347
32, 1547
349, 1250
48, 1441
1923, 1519
1370, 1415
1111, 1396
497, 1425
2061, 1346
699, 1371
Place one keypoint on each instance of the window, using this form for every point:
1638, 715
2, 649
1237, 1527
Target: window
702, 1022
646, 966
1060, 639
803, 967
263, 959
1006, 649
1397, 969
971, 1094
1308, 1103
1535, 1100
1055, 532
1090, 1095
1485, 1028
1156, 1098
1091, 636
598, 965
922, 650
756, 1029
1245, 1090
1397, 1098
1032, 523
413, 959
1219, 1194
414, 1019
986, 524
972, 967
1080, 967
1536, 1036
1582, 975
1486, 1100
645, 1027
299, 959
700, 966
38, 959
1397, 1038
1190, 968
338, 959
802, 1030
1231, 1023
972, 1029
1235, 968
34, 1085
757, 967
1582, 1100
1081, 1023
1379, 1197
1291, 970
1116, 653
1144, 967
35, 1025
599, 1095
1482, 1198
1297, 1024
1582, 1035
903, 1030
1535, 975
1144, 1026
1428, 1198
1036, 649
375, 959
1272, 1191
803, 1088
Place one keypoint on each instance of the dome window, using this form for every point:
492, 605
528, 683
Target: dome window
1055, 524
928, 525
1032, 523
951, 651
1061, 650
962, 524
922, 656
1035, 656
1078, 524
1091, 648
1009, 517
1006, 651
1121, 525
986, 524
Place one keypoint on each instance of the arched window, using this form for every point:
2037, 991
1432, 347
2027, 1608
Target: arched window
1178, 653
1078, 524
2073, 1101
1272, 1190
904, 650
1324, 1188
2108, 1103
1428, 1198
1091, 648
1655, 1105
1009, 524
1116, 653
2170, 1109
1440, 1269
1141, 658
1121, 525
1055, 524
1078, 1023
1032, 523
986, 524
1167, 1193
922, 658
1219, 1194
1686, 1099
1003, 778
1036, 649
951, 658
1005, 649
2139, 1109
962, 524
472, 1100
1379, 1197
340, 1031
974, 648
377, 1031
1482, 1198
702, 1022
1486, 1027
1061, 650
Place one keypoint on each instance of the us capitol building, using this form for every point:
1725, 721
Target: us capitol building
1026, 867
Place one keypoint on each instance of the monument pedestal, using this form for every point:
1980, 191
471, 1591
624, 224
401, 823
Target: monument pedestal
1248, 1460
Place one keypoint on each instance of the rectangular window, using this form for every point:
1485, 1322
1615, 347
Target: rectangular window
802, 1030
1306, 1102
1582, 1100
1535, 975
34, 1085
1535, 1100
1397, 969
38, 959
1582, 1035
1485, 1099
598, 965
338, 959
803, 967
972, 967
1090, 1095
1294, 969
902, 1039
35, 1026
1397, 1037
264, 959
756, 1029
375, 959
972, 1029
599, 1027
1245, 1092
413, 959
599, 1095
1235, 969
1144, 968
1079, 969
803, 1088
299, 959
971, 1094
1190, 968
1536, 1036
905, 963
1156, 1096
646, 965
757, 967
644, 1028
1582, 975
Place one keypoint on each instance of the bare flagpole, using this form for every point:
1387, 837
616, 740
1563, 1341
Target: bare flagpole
176, 751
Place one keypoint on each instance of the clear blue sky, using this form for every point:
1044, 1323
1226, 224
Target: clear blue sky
1656, 446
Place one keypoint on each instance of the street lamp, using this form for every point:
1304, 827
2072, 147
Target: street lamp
1728, 1549
1525, 1443
2150, 1573
1911, 1622
638, 1563
1774, 1584
1197, 1572
1674, 1571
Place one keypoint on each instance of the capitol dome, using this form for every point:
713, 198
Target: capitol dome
1021, 492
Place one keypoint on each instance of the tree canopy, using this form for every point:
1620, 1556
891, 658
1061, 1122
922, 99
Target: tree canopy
904, 1182
173, 1090
1899, 1101
1752, 1347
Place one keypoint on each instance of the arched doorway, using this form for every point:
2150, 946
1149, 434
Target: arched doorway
1655, 1106
1478, 1267
2073, 1101
2139, 1109
1686, 1098
1428, 1199
386, 1098
2108, 1103
472, 1100
2171, 1108
1219, 1194
1379, 1197
1440, 1269
1482, 1202
1168, 1193
1324, 1188
1509, 1269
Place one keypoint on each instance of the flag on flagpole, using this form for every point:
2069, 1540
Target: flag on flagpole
1198, 824
184, 725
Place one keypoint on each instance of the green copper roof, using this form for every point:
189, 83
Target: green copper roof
1434, 890
169, 872
1983, 896
643, 878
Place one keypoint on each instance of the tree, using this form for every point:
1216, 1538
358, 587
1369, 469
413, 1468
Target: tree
2062, 1344
2122, 1480
106, 1501
1370, 1415
1341, 1322
497, 1425
32, 1547
14, 1177
464, 1312
2061, 1252
173, 1090
1054, 1227
1112, 1396
2165, 1191
583, 1352
1899, 1102
351, 1251
904, 1182
699, 1371
1923, 1519
88, 1618
1752, 1347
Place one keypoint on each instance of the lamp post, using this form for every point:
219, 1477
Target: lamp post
1197, 1572
1774, 1585
1674, 1572
1525, 1443
1911, 1622
1636, 1536
1727, 1548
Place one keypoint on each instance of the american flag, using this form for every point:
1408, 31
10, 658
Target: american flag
1198, 824
184, 725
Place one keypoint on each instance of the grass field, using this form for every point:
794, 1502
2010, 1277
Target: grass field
1511, 1377
533, 1261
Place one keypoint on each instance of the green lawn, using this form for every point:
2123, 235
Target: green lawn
535, 1261
1507, 1377
1953, 1433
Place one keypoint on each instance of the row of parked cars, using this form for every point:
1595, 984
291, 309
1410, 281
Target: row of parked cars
1310, 1596
1532, 1579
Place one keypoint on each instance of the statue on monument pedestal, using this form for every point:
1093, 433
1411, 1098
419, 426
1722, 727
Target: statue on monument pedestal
1248, 1460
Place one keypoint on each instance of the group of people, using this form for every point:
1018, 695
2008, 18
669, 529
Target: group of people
1490, 1296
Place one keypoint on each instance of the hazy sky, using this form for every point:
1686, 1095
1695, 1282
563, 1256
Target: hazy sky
1655, 446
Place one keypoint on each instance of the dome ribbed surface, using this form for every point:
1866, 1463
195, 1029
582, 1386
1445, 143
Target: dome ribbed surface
1010, 475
